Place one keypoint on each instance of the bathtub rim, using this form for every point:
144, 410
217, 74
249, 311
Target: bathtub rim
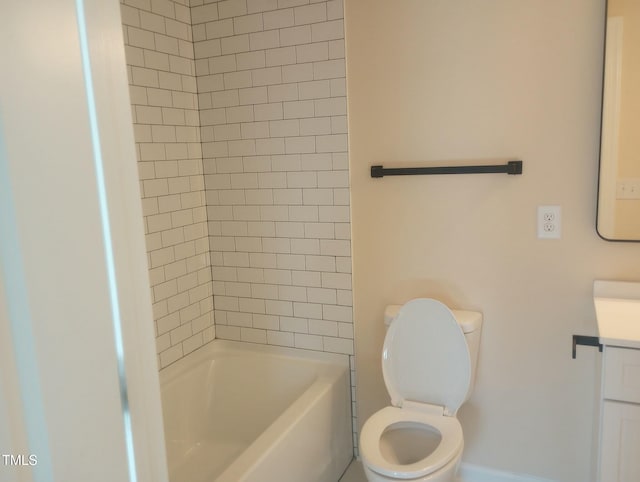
208, 351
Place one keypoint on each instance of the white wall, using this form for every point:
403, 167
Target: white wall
79, 384
454, 80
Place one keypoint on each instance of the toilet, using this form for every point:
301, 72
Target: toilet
428, 365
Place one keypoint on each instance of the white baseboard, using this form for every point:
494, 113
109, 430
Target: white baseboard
475, 473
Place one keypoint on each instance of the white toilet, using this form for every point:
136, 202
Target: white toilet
428, 364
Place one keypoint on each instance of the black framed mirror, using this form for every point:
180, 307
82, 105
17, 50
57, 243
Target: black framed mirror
618, 217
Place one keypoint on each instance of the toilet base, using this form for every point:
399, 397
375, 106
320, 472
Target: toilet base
445, 474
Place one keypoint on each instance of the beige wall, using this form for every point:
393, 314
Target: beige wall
445, 80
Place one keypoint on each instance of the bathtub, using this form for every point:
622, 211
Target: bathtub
254, 413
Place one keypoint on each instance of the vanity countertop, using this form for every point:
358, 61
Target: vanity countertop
618, 313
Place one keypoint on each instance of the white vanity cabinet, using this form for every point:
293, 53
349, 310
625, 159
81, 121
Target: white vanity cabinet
620, 416
617, 307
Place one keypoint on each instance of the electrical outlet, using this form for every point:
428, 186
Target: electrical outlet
549, 222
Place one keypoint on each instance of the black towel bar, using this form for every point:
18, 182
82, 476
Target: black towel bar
511, 167
585, 340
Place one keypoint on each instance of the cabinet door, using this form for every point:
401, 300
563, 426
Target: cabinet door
620, 443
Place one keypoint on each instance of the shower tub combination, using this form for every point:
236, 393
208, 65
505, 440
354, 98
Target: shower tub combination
253, 413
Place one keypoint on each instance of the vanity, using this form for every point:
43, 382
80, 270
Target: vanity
617, 307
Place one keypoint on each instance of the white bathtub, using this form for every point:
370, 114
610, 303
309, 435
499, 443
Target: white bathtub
254, 413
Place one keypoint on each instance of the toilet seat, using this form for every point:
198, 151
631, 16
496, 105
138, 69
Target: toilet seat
450, 445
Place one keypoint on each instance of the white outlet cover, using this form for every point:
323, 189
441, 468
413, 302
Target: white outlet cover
549, 222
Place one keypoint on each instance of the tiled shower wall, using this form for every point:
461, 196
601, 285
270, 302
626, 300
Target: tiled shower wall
272, 98
159, 52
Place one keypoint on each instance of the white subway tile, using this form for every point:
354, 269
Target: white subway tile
168, 45
239, 319
331, 30
295, 35
337, 313
253, 335
312, 52
339, 124
210, 83
280, 56
296, 325
299, 109
254, 6
317, 197
225, 332
264, 291
247, 24
287, 162
283, 92
250, 275
333, 179
338, 345
302, 144
306, 278
322, 295
232, 8
318, 126
226, 132
276, 245
251, 305
280, 338
246, 147
272, 180
291, 3
235, 80
266, 322
267, 76
336, 50
222, 28
289, 229
320, 263
278, 19
255, 130
284, 128
305, 246
235, 44
329, 69
204, 13
335, 9
242, 113
277, 276
308, 342
297, 72
323, 327
313, 13
206, 48
224, 63
256, 164
292, 293
314, 89
303, 213
265, 112
307, 310
264, 40
345, 297
270, 146
287, 196
253, 95
317, 162
247, 180
331, 143
274, 213
276, 307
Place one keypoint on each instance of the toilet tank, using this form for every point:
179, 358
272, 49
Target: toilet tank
471, 324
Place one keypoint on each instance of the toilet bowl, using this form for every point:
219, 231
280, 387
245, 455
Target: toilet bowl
428, 365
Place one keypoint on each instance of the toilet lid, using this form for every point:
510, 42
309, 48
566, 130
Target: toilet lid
425, 357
